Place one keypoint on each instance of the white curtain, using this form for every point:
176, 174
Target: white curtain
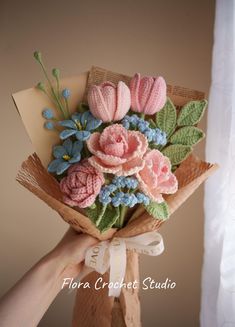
218, 279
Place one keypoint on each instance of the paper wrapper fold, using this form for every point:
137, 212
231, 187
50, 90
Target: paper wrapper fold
92, 307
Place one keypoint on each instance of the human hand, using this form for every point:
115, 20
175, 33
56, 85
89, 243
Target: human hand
70, 253
40, 285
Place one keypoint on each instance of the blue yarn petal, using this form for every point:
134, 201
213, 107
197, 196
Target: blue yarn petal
52, 167
67, 133
62, 167
58, 151
93, 124
75, 159
67, 123
77, 148
83, 135
85, 117
76, 116
68, 145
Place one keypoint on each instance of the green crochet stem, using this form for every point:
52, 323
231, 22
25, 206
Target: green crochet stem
55, 97
121, 218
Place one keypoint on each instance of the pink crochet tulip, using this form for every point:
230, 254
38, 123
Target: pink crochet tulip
109, 102
117, 150
148, 94
156, 177
82, 185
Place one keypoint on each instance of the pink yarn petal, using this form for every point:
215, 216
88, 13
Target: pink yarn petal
131, 167
110, 160
149, 177
134, 87
94, 148
82, 184
143, 141
157, 97
78, 196
96, 183
82, 190
110, 134
170, 186
123, 101
63, 186
108, 91
145, 89
153, 161
115, 149
137, 143
101, 166
72, 180
154, 196
93, 143
134, 144
97, 104
81, 167
156, 177
81, 179
69, 202
100, 176
87, 202
89, 184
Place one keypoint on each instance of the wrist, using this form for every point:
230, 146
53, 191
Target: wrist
62, 265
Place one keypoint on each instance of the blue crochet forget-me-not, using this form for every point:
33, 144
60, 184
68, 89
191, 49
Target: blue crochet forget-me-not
80, 125
65, 155
47, 113
66, 93
154, 135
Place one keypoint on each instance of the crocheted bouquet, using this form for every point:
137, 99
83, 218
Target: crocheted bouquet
119, 166
120, 150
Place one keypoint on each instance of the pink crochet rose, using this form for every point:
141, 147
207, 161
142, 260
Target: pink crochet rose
109, 102
82, 185
117, 150
156, 177
148, 94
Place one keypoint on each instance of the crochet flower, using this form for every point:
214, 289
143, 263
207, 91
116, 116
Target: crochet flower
66, 154
148, 94
117, 151
118, 193
82, 185
156, 177
109, 102
154, 135
80, 125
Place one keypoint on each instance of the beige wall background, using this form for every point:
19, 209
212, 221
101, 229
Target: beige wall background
167, 37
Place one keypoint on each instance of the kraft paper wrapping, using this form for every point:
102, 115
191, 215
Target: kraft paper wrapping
92, 307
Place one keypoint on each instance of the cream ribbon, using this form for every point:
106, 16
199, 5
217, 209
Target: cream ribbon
112, 254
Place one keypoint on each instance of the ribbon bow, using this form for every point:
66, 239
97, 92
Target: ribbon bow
112, 254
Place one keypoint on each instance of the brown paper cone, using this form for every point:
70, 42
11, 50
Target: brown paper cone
95, 308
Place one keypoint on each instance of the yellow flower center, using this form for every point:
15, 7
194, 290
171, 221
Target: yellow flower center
66, 157
79, 125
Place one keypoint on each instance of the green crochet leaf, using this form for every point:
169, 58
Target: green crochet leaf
152, 124
166, 118
109, 218
177, 153
191, 113
104, 217
188, 135
173, 168
95, 212
155, 146
158, 210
